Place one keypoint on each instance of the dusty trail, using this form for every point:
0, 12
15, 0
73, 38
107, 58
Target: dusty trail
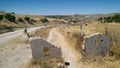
67, 54
14, 55
12, 35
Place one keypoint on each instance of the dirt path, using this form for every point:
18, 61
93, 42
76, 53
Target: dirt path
12, 35
67, 54
14, 56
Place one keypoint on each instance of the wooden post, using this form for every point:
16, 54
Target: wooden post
81, 25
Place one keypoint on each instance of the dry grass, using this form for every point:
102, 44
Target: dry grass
113, 61
7, 26
101, 62
72, 36
43, 32
43, 63
112, 30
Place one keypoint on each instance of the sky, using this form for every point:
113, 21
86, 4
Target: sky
60, 7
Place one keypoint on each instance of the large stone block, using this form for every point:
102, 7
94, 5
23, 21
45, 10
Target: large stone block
40, 47
96, 45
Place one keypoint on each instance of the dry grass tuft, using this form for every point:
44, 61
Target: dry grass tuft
43, 63
101, 62
112, 30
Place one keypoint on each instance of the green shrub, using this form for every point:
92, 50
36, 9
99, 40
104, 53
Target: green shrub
20, 20
1, 17
32, 20
27, 19
114, 18
44, 20
10, 17
12, 12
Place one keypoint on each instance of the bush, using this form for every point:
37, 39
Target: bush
44, 20
10, 17
20, 20
116, 18
32, 20
1, 17
12, 12
27, 19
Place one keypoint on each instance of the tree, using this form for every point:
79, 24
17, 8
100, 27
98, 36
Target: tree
1, 17
100, 19
10, 17
44, 20
116, 18
12, 12
32, 20
27, 19
20, 20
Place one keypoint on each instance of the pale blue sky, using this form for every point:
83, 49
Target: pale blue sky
58, 7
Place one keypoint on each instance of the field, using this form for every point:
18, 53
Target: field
65, 36
72, 42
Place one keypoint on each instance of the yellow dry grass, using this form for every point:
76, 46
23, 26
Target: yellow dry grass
111, 30
74, 41
43, 63
43, 32
72, 36
101, 62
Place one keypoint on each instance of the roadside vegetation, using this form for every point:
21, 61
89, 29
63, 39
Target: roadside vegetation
113, 60
111, 30
10, 21
109, 19
108, 29
43, 33
44, 62
73, 36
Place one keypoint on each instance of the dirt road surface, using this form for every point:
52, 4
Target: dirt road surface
12, 35
12, 54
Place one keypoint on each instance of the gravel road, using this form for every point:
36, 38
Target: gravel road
12, 35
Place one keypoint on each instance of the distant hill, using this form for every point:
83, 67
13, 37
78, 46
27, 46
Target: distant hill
9, 21
90, 17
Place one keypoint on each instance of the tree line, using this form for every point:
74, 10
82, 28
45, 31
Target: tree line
10, 17
109, 19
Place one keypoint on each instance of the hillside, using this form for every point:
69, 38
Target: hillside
88, 17
12, 21
23, 21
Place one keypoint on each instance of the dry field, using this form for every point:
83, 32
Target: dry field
72, 40
69, 39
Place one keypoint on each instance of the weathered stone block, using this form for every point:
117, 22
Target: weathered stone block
39, 48
96, 45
